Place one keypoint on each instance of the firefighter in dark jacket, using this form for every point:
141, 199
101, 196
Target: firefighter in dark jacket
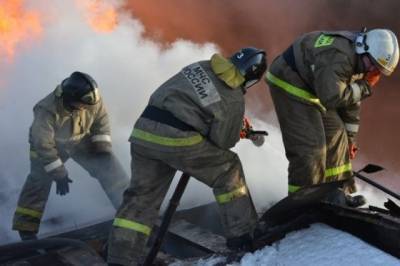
317, 85
190, 124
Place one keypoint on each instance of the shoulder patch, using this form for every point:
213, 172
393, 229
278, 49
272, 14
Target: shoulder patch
324, 40
201, 84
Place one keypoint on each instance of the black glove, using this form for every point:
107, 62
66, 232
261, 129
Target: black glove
101, 147
60, 176
62, 186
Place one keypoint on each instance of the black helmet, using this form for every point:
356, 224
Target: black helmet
251, 63
80, 87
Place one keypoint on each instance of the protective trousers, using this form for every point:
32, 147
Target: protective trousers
35, 192
152, 173
338, 165
316, 143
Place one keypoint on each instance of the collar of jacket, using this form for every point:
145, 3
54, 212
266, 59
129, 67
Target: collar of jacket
226, 71
60, 106
359, 68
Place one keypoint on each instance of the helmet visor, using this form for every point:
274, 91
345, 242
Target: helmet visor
91, 98
249, 83
255, 70
381, 68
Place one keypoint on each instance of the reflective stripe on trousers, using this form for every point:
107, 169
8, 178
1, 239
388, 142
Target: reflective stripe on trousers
29, 212
338, 170
328, 173
33, 154
131, 225
166, 141
227, 197
298, 92
293, 188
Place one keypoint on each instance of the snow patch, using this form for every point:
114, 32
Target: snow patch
319, 245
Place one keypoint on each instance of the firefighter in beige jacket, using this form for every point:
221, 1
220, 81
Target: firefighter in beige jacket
70, 122
317, 85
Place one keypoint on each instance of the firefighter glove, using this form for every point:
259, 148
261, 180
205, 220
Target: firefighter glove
373, 77
246, 127
62, 186
352, 150
60, 176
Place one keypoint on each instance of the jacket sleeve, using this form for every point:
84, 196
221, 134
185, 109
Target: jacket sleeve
100, 129
42, 139
332, 75
226, 125
351, 118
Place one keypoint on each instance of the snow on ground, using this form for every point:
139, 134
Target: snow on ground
318, 245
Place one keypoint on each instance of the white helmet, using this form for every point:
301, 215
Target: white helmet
382, 46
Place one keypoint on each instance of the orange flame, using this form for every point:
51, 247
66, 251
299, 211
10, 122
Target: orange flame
17, 25
101, 16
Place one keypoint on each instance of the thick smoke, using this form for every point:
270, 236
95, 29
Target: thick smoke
273, 25
127, 68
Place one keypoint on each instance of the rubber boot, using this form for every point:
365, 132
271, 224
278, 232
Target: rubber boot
240, 243
337, 197
27, 235
355, 201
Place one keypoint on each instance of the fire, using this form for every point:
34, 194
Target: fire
17, 26
102, 16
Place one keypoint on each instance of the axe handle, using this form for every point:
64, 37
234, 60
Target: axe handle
258, 132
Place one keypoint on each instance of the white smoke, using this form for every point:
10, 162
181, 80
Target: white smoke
127, 69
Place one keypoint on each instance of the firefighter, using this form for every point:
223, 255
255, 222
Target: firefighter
317, 85
190, 123
70, 122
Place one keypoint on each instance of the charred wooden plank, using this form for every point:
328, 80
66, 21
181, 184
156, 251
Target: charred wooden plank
199, 236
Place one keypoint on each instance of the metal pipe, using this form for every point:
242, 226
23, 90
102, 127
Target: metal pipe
378, 186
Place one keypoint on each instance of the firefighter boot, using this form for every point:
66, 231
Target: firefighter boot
240, 243
27, 235
337, 197
355, 201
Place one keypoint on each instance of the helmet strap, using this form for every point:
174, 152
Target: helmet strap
361, 40
366, 47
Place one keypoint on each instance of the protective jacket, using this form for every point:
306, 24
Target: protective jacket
331, 73
327, 62
197, 97
56, 130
